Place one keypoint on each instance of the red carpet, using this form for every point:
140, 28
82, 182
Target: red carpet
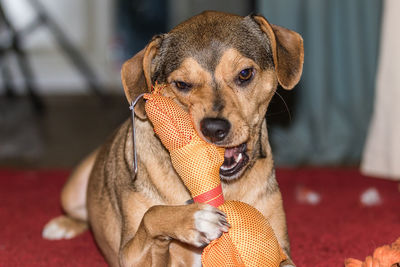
322, 235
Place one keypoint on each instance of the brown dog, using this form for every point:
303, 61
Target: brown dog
223, 69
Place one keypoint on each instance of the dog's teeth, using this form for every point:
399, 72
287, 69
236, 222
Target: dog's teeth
224, 168
239, 157
232, 163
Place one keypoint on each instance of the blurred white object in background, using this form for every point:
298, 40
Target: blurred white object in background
371, 197
305, 195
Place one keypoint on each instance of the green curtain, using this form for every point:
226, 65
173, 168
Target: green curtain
333, 101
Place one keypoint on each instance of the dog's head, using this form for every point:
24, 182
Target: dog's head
224, 70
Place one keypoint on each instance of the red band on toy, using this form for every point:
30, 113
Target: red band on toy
212, 197
218, 201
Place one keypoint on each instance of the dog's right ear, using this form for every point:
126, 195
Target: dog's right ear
287, 51
136, 74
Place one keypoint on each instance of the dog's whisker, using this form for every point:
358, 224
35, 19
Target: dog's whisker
284, 102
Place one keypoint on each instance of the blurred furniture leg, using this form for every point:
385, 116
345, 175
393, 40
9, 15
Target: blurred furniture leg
7, 78
23, 62
42, 19
68, 48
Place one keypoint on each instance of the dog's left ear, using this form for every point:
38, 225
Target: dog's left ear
288, 52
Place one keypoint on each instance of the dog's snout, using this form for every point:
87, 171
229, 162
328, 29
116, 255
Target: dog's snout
215, 129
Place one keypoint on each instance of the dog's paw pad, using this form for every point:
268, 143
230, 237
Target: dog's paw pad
63, 227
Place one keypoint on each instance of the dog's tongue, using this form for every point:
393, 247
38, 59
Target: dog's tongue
232, 156
231, 152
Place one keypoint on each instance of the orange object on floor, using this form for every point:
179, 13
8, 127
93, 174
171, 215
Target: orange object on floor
250, 241
385, 256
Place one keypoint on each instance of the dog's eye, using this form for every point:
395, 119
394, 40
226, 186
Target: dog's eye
245, 75
182, 86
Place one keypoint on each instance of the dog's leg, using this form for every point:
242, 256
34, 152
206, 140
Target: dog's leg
194, 224
277, 220
73, 202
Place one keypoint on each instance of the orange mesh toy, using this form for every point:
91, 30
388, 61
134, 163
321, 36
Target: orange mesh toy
385, 256
250, 241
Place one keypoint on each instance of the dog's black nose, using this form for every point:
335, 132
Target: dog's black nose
215, 129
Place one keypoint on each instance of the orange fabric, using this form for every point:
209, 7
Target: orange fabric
174, 127
384, 256
250, 240
250, 234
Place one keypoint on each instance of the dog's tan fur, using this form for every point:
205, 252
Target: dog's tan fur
143, 220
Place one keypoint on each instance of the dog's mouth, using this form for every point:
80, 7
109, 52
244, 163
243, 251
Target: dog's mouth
235, 159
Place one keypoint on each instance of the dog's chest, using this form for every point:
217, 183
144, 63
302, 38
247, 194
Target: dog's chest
160, 179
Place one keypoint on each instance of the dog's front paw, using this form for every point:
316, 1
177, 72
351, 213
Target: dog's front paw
195, 224
210, 223
202, 224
